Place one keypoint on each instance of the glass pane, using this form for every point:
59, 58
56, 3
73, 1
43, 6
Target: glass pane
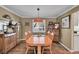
38, 26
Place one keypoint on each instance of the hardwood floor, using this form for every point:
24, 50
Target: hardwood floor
20, 49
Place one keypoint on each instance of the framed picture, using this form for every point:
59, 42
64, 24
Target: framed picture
26, 23
66, 22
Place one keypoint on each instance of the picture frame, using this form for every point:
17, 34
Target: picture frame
26, 23
66, 22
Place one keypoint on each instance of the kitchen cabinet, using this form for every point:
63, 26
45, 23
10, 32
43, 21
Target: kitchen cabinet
76, 42
76, 18
75, 31
1, 43
8, 42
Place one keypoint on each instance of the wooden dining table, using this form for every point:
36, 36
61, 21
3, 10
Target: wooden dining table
38, 44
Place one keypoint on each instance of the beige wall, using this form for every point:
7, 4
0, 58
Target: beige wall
29, 28
13, 16
66, 33
24, 27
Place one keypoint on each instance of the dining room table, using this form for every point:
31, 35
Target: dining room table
38, 41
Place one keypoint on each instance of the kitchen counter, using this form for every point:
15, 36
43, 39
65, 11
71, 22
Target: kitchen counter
9, 34
7, 42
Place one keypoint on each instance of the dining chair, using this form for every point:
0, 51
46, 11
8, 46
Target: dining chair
52, 36
48, 32
25, 36
29, 34
29, 44
48, 43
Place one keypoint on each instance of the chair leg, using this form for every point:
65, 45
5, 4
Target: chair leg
34, 51
50, 50
42, 50
27, 50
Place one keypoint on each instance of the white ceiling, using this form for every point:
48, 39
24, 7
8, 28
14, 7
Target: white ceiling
46, 11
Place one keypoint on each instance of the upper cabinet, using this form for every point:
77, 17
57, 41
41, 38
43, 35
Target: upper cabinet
76, 18
76, 21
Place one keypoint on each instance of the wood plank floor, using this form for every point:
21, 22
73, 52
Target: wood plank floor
20, 49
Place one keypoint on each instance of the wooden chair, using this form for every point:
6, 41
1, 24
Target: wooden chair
48, 32
26, 36
29, 34
29, 43
48, 43
52, 36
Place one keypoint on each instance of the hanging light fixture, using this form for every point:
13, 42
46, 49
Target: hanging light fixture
38, 19
38, 22
38, 11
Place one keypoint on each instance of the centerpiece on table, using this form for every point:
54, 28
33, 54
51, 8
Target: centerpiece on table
39, 34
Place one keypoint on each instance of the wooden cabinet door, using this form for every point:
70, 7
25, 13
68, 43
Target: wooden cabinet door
0, 44
76, 43
15, 39
6, 44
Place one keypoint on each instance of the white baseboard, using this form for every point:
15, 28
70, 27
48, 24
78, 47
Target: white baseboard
66, 47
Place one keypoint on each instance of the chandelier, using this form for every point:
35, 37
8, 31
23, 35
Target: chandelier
38, 19
38, 11
39, 24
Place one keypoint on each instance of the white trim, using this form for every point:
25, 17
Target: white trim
34, 17
65, 47
9, 10
67, 10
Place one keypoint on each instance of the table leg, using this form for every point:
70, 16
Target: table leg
39, 49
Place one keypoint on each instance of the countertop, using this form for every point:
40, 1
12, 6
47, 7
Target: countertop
9, 34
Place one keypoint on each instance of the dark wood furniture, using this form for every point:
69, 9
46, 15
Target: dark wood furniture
54, 27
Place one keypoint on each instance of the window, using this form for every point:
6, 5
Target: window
38, 25
1, 26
